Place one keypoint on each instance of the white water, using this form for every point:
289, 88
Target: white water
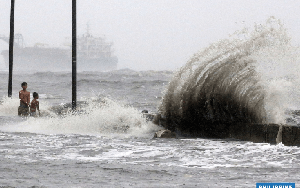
109, 144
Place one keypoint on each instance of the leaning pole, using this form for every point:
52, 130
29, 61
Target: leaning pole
11, 47
74, 63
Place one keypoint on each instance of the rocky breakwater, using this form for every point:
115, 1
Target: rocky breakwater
288, 135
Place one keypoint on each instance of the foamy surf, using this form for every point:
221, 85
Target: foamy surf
106, 141
104, 117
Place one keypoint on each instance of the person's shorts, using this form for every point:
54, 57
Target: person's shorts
23, 111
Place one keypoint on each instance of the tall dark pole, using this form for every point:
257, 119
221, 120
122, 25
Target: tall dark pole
11, 46
74, 63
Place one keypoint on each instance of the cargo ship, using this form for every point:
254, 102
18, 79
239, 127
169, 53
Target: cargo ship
93, 54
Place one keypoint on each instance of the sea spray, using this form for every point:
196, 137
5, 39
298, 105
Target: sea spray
9, 106
96, 117
226, 82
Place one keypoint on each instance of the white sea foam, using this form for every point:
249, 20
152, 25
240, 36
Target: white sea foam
104, 118
9, 106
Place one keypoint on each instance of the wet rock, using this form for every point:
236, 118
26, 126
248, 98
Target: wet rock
164, 134
149, 117
145, 111
290, 135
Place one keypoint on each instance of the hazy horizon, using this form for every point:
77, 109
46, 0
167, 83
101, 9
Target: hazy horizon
150, 34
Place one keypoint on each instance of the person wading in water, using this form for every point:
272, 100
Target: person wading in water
35, 105
24, 97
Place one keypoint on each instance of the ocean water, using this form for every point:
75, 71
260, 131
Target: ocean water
95, 149
108, 143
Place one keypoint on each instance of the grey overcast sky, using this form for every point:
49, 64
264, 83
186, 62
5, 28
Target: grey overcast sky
147, 34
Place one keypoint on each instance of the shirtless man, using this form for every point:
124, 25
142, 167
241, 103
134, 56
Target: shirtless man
24, 97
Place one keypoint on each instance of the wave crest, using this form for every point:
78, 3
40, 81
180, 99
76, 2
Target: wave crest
221, 85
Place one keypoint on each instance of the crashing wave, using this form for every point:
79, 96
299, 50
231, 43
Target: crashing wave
222, 85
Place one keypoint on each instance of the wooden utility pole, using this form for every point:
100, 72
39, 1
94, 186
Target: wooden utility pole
11, 46
74, 62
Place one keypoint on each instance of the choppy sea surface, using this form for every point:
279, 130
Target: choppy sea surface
251, 77
110, 144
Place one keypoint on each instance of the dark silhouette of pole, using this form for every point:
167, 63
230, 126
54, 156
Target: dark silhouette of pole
74, 63
11, 46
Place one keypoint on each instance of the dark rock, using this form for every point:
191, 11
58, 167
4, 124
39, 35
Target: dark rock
164, 134
291, 135
145, 111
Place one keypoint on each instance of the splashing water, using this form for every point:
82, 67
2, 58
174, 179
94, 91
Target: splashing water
237, 80
97, 117
8, 106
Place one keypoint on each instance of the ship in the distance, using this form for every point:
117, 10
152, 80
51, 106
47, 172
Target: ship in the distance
93, 54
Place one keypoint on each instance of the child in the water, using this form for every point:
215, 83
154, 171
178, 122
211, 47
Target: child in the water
34, 106
24, 97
